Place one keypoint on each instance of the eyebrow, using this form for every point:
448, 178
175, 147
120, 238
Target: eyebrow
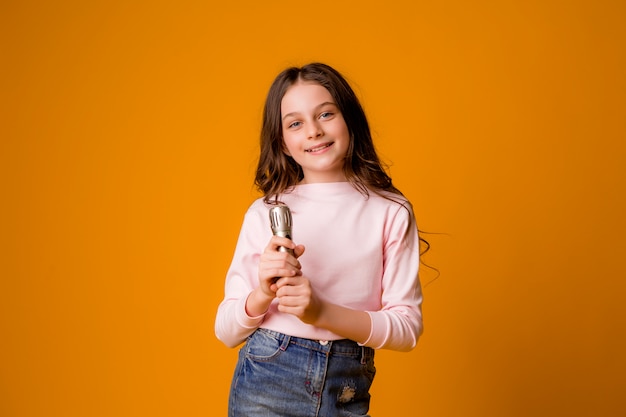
316, 107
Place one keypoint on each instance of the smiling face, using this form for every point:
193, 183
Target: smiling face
315, 134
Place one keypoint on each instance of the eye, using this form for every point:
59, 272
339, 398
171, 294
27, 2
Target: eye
326, 115
293, 125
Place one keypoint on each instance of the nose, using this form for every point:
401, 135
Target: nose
315, 130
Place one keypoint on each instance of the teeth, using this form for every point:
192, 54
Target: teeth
317, 149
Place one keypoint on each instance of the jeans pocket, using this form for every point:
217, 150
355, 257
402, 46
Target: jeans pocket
264, 346
370, 368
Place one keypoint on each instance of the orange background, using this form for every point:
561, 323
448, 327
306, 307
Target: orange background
128, 144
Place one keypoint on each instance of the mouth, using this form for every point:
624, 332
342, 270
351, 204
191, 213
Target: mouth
319, 147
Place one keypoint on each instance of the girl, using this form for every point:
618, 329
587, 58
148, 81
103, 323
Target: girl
312, 319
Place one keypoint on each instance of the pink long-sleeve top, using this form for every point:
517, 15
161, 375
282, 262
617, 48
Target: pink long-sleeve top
361, 253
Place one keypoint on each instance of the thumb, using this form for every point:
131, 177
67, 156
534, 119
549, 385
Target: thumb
298, 251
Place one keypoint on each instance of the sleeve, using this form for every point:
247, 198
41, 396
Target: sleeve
398, 324
232, 324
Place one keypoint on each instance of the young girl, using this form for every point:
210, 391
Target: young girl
311, 319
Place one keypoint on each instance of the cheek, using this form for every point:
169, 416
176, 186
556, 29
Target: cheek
341, 129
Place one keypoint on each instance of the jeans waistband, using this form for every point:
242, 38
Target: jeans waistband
334, 347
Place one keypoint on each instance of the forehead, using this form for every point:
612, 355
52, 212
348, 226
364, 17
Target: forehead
303, 96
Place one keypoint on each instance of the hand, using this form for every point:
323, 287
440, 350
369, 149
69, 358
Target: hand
295, 296
274, 264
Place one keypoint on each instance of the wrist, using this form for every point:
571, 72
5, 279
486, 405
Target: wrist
346, 322
323, 318
258, 302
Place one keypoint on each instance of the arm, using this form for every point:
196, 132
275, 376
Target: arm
232, 322
398, 324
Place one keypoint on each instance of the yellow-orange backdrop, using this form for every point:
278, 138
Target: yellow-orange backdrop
129, 137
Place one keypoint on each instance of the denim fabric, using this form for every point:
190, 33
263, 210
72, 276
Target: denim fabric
286, 376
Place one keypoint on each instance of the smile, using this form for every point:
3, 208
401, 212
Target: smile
319, 148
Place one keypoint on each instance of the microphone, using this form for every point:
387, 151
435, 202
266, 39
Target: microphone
280, 221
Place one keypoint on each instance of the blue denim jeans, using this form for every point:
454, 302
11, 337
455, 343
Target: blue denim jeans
286, 376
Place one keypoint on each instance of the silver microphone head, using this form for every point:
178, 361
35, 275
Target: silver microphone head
280, 221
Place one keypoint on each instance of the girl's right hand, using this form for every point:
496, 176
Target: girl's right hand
274, 264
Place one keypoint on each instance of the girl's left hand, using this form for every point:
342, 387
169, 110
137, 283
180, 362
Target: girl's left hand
295, 296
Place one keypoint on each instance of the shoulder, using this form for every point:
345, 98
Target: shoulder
257, 205
255, 225
257, 212
391, 200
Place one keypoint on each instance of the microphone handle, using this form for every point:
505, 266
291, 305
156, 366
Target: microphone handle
284, 233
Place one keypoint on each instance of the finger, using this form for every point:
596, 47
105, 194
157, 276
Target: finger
272, 274
289, 310
287, 281
278, 241
291, 305
298, 251
279, 260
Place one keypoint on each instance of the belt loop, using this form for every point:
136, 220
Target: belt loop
363, 361
285, 343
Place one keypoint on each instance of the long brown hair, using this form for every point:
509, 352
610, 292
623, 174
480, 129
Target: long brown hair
277, 172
